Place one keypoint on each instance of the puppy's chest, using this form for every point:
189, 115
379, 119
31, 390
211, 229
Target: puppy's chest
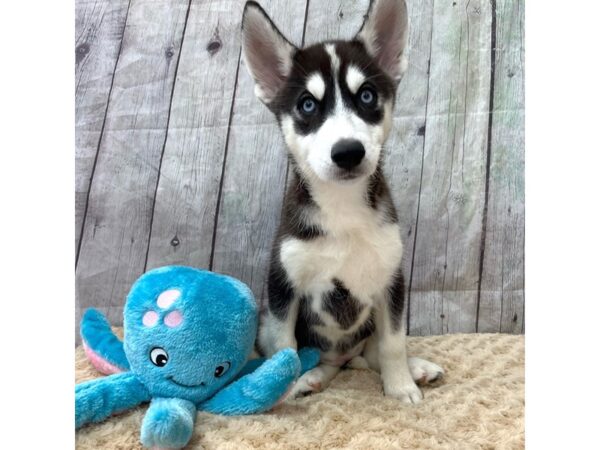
355, 248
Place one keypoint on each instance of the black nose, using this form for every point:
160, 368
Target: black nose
347, 153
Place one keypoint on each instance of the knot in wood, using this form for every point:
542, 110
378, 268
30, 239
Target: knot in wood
214, 45
81, 50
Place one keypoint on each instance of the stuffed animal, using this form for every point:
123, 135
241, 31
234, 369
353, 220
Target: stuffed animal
188, 336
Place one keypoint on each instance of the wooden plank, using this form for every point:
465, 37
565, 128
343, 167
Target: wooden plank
99, 27
254, 175
188, 190
117, 225
502, 283
335, 19
447, 248
403, 153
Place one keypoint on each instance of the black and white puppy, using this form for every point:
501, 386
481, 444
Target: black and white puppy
335, 279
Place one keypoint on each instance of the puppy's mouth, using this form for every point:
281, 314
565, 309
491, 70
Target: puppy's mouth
347, 175
171, 378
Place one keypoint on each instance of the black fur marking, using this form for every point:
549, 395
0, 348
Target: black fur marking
365, 330
379, 197
306, 62
306, 336
396, 300
342, 306
354, 53
315, 59
281, 292
297, 202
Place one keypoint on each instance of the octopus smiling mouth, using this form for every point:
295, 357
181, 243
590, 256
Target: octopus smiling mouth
185, 385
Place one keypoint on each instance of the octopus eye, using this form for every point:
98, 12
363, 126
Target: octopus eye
159, 357
221, 369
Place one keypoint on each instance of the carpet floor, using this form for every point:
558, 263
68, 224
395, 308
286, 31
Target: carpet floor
478, 405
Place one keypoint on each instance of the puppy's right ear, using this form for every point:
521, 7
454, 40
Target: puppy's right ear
267, 53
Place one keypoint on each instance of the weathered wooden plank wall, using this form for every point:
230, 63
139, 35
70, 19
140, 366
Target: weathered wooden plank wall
100, 27
452, 183
502, 277
114, 236
254, 172
177, 162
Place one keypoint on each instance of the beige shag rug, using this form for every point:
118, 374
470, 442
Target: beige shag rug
478, 405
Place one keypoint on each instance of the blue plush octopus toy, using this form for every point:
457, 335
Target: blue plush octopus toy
188, 336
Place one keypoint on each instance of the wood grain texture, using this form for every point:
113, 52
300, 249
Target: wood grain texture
187, 195
502, 282
254, 173
99, 27
117, 225
336, 19
403, 152
445, 274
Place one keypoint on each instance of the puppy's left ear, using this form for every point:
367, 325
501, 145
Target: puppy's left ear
385, 35
267, 53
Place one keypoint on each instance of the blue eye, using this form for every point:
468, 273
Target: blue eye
308, 105
367, 96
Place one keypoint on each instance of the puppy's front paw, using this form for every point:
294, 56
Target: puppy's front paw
407, 393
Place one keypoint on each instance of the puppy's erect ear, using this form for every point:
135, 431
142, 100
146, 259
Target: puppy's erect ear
267, 53
385, 35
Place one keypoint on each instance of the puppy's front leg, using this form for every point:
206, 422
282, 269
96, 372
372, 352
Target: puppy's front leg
276, 332
393, 361
278, 322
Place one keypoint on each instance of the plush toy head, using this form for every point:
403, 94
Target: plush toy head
171, 338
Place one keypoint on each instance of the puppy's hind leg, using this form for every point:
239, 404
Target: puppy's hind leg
423, 371
315, 380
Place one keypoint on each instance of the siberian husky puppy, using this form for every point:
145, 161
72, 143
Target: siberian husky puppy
335, 279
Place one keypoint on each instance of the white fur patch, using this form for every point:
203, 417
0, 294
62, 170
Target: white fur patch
316, 85
354, 78
356, 249
313, 151
424, 371
393, 362
275, 334
335, 60
314, 380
